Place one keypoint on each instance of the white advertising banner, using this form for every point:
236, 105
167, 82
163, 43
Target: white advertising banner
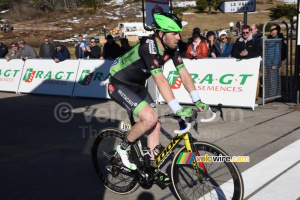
47, 77
155, 6
228, 81
90, 74
10, 74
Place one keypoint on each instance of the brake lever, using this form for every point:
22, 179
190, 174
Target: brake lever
218, 108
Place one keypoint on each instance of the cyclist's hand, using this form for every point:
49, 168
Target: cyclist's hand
201, 106
185, 112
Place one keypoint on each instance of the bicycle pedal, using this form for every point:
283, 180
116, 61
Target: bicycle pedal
161, 184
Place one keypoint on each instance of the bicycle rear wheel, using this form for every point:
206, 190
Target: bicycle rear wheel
108, 164
222, 180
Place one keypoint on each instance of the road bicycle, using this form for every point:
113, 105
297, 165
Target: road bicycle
195, 180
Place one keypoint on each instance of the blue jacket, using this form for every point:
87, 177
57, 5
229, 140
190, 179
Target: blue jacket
226, 51
62, 54
272, 55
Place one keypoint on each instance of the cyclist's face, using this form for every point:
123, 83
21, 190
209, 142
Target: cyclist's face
171, 39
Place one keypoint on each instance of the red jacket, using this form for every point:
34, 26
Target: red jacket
202, 50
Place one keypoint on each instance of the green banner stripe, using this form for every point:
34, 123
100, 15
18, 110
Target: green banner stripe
139, 108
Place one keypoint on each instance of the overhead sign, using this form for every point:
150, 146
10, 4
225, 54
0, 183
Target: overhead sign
237, 6
223, 80
155, 6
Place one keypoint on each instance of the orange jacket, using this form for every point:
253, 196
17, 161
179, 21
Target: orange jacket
202, 50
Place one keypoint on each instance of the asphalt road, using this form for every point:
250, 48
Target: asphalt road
45, 153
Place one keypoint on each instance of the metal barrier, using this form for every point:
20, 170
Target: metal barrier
271, 80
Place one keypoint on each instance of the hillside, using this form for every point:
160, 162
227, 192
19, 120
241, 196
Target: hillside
63, 25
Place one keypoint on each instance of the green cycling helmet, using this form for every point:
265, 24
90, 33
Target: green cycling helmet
166, 22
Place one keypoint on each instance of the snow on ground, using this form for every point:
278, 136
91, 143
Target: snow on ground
184, 4
3, 11
184, 23
188, 13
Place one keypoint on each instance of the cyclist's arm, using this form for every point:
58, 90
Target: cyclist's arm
164, 87
187, 80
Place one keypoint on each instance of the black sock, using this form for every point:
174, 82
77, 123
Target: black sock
125, 144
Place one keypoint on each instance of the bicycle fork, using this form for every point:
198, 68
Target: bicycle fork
187, 141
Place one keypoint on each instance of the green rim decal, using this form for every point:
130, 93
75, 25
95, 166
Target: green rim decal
156, 71
139, 108
125, 60
180, 67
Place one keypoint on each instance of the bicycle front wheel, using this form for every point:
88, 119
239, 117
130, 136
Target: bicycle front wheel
219, 180
108, 163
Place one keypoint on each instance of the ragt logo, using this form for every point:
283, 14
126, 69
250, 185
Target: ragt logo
29, 75
174, 80
87, 77
41, 74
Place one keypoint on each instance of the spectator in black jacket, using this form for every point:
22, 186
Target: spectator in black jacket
111, 49
46, 49
245, 47
93, 51
3, 50
125, 45
60, 53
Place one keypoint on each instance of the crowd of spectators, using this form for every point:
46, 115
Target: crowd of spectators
212, 44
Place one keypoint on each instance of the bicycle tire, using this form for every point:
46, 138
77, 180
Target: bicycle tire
222, 177
108, 139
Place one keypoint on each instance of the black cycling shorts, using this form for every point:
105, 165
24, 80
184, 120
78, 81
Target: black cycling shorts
132, 98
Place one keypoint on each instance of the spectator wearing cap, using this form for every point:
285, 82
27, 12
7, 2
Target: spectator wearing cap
93, 51
222, 47
245, 47
3, 50
60, 52
111, 49
198, 48
46, 49
191, 39
14, 53
125, 46
27, 52
211, 37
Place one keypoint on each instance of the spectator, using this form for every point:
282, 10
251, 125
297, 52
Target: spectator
3, 50
245, 47
79, 45
238, 27
125, 45
222, 48
211, 36
27, 52
46, 49
273, 61
60, 52
93, 51
231, 24
111, 49
205, 32
255, 33
14, 53
198, 48
191, 39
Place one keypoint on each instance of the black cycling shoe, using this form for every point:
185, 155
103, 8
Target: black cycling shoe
163, 177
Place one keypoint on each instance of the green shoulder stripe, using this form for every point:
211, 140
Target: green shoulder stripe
125, 60
180, 67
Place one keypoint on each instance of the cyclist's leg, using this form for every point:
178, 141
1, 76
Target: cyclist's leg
132, 101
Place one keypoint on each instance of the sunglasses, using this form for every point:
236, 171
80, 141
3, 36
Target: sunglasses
245, 32
93, 42
223, 38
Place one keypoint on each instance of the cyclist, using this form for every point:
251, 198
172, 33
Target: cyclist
127, 85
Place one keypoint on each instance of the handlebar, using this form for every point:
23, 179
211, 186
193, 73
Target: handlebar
186, 122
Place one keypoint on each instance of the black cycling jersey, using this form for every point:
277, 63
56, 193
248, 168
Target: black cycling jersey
130, 71
142, 61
